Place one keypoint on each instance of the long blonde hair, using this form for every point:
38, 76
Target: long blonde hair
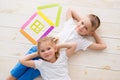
51, 40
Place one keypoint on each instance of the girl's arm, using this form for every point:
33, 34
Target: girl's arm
70, 47
27, 60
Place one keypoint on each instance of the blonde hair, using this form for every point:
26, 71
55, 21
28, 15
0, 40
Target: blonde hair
51, 40
95, 21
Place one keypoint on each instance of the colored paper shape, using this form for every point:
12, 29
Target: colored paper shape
57, 16
45, 18
29, 20
33, 29
47, 32
39, 25
28, 36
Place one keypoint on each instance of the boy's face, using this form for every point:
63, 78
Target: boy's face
84, 26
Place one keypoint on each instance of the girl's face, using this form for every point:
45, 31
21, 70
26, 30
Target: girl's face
47, 51
84, 27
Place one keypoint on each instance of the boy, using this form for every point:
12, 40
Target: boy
86, 26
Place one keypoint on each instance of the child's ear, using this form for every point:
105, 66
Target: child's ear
55, 48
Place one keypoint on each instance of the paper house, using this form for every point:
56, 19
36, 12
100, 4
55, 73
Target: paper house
39, 25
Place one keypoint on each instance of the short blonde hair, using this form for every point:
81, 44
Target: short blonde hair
95, 21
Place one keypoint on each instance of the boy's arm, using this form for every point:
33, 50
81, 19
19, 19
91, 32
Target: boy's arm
70, 47
99, 45
72, 14
27, 60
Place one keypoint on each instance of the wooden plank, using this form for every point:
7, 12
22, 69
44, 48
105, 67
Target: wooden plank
105, 30
11, 20
83, 73
105, 4
7, 64
12, 35
21, 15
105, 15
113, 46
87, 58
92, 58
109, 30
13, 49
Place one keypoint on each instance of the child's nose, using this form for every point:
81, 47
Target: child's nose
82, 27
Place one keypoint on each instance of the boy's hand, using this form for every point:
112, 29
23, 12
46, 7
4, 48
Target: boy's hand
72, 14
99, 44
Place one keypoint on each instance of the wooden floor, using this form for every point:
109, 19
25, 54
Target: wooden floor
87, 65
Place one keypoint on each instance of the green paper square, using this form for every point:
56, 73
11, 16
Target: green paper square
37, 26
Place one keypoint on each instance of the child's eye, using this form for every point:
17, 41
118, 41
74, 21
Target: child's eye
48, 48
82, 23
42, 51
86, 28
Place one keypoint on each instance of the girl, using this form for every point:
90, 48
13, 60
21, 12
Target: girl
53, 62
